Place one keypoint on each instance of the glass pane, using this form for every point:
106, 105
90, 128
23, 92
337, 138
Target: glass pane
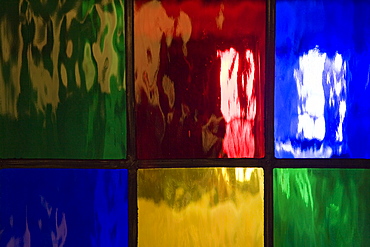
201, 207
63, 207
321, 207
62, 79
199, 78
322, 79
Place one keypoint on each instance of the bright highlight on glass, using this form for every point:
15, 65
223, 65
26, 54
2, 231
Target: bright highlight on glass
321, 207
200, 207
238, 102
322, 73
316, 71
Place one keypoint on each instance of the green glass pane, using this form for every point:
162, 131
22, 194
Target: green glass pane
200, 207
321, 207
62, 79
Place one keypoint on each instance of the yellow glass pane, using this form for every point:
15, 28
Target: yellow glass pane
200, 207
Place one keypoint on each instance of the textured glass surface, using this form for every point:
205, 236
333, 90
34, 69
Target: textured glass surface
199, 78
322, 79
63, 207
201, 207
62, 86
321, 207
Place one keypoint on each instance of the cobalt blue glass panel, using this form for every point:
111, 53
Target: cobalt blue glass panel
322, 79
63, 207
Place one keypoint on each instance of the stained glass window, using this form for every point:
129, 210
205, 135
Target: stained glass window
62, 80
199, 79
199, 82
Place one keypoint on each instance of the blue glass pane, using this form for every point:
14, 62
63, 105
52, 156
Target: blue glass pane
322, 79
63, 207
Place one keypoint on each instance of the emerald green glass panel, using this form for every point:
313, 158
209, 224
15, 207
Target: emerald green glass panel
321, 207
200, 207
62, 79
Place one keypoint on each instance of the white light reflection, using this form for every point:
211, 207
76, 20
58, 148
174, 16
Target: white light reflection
230, 104
311, 123
238, 112
241, 174
321, 106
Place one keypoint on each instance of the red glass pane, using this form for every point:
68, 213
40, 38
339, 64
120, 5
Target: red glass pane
199, 81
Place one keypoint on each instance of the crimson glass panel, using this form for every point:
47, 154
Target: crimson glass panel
199, 78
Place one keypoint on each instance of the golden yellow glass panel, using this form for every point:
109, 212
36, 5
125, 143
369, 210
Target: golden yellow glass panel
200, 207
